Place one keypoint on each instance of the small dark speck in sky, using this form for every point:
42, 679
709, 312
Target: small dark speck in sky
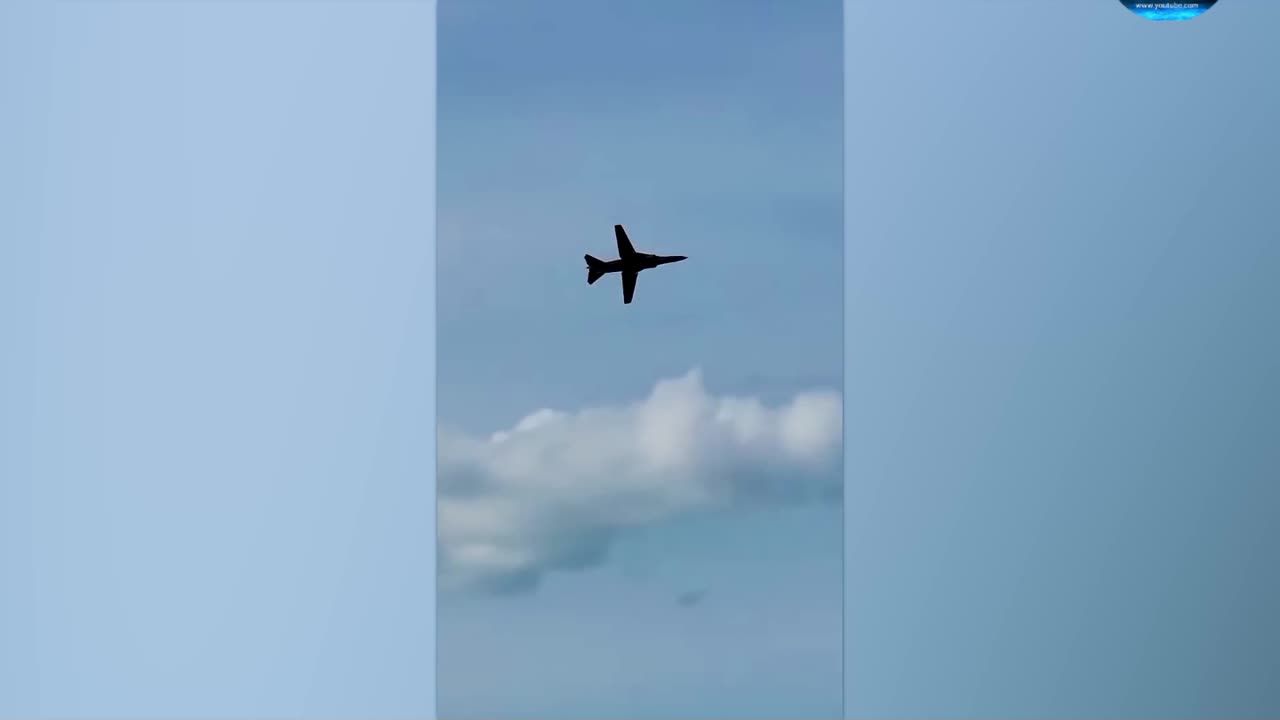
690, 598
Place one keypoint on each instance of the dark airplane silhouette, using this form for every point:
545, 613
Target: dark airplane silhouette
629, 263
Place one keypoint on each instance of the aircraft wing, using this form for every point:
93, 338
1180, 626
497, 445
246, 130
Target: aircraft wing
625, 250
628, 285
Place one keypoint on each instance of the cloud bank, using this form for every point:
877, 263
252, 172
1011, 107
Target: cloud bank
554, 491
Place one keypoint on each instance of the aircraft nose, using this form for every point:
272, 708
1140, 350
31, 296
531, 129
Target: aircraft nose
678, 258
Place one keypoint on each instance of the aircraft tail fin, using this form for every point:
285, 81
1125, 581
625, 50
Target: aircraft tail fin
595, 268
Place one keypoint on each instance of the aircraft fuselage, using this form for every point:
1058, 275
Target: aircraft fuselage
641, 261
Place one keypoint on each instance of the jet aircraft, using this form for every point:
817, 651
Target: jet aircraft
629, 263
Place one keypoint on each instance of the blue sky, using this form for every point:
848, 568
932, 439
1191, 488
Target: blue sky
216, 444
1061, 273
710, 130
703, 131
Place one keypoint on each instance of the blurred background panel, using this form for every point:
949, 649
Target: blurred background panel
216, 377
1061, 356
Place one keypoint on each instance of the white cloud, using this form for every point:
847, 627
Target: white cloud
554, 490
